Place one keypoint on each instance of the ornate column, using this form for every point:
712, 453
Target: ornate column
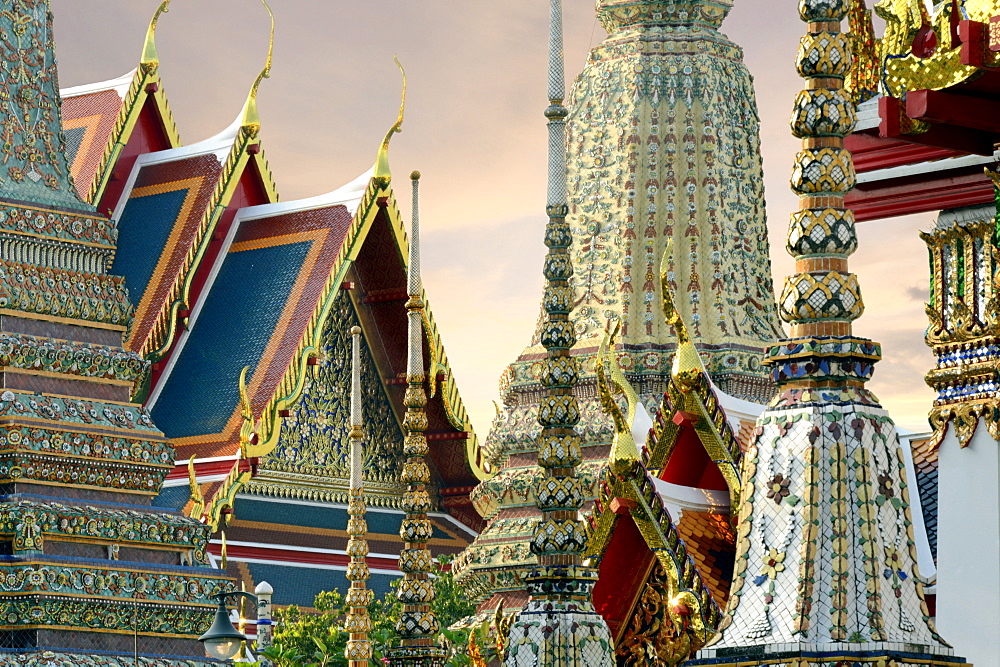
359, 649
559, 625
417, 627
826, 566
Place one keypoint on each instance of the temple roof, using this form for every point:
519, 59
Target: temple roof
257, 307
169, 222
279, 279
666, 514
101, 119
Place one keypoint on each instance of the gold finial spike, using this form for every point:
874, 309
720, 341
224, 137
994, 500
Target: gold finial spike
670, 311
223, 556
149, 53
250, 116
196, 496
687, 361
382, 172
246, 411
611, 381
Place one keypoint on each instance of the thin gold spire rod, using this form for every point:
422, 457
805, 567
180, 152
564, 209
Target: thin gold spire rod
359, 650
149, 54
559, 626
250, 115
418, 626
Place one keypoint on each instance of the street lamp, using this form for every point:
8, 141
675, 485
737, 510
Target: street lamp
223, 641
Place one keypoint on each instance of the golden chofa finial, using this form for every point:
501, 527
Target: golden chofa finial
250, 115
382, 172
687, 363
149, 54
611, 381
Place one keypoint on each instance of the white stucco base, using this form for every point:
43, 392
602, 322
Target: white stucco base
968, 586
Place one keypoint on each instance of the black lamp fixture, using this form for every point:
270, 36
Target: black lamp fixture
223, 641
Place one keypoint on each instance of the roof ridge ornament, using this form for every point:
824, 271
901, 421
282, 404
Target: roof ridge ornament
383, 175
150, 56
687, 364
610, 382
250, 115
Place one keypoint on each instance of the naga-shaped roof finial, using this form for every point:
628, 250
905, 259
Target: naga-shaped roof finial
382, 172
250, 115
687, 362
149, 53
611, 381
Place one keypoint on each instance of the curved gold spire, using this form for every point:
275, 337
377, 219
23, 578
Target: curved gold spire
149, 53
250, 115
611, 381
198, 500
382, 172
687, 362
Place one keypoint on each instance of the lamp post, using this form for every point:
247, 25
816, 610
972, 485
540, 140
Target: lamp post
223, 641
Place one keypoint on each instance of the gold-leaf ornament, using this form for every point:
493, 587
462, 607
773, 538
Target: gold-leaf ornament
198, 508
383, 175
611, 381
687, 367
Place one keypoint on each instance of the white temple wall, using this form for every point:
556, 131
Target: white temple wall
968, 587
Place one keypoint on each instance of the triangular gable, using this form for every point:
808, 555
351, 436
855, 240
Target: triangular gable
108, 125
173, 218
643, 561
361, 256
692, 442
661, 532
278, 269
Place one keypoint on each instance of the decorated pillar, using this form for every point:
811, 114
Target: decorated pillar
359, 650
963, 331
417, 626
265, 627
826, 566
559, 625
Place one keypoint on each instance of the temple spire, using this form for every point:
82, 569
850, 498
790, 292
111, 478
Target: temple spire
826, 562
359, 650
417, 626
559, 625
35, 168
150, 56
250, 115
382, 172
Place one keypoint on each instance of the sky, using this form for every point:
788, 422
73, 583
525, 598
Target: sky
475, 130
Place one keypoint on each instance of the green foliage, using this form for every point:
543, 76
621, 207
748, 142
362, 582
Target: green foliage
307, 639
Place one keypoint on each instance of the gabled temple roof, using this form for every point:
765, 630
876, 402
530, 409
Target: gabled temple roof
175, 211
107, 124
110, 123
666, 515
276, 269
264, 305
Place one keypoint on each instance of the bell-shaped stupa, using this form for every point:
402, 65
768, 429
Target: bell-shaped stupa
826, 563
662, 145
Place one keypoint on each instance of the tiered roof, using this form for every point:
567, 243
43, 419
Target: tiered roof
224, 278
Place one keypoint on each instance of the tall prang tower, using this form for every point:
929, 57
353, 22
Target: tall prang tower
93, 574
662, 144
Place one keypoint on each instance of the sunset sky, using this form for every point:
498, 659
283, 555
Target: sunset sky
474, 128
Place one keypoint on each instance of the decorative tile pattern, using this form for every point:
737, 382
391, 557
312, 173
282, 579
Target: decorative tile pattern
826, 556
36, 169
94, 297
964, 325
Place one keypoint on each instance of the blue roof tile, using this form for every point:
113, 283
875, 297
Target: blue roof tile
238, 317
301, 585
143, 231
